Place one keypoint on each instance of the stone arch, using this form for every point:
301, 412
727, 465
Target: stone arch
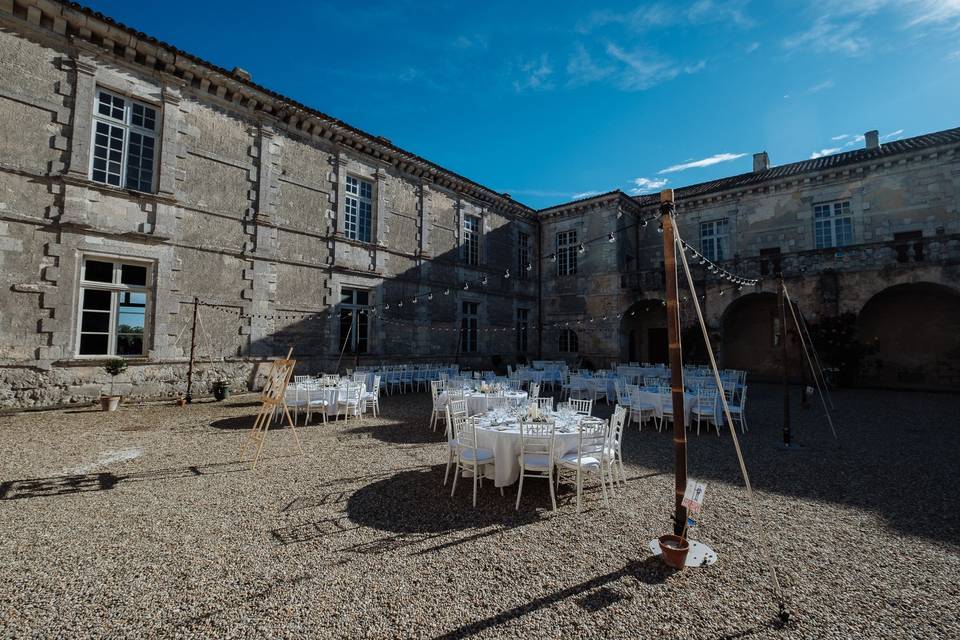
643, 331
750, 328
913, 332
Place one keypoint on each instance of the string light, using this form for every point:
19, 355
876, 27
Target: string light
581, 248
506, 274
611, 237
529, 267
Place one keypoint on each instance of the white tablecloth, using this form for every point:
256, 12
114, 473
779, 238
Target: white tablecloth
500, 433
689, 399
479, 402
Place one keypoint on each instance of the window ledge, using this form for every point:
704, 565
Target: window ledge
118, 191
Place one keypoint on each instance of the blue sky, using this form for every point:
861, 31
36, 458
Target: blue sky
550, 101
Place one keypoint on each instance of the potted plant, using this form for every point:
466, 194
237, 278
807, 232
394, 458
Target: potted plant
221, 390
114, 368
674, 548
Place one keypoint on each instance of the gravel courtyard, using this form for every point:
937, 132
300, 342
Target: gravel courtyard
145, 523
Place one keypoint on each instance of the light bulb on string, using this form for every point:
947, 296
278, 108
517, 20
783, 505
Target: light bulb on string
529, 267
429, 296
484, 281
446, 292
643, 223
553, 257
466, 286
611, 237
721, 292
400, 304
506, 274
386, 306
581, 248
660, 228
414, 301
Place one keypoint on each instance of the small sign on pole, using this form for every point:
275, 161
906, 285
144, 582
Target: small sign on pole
693, 495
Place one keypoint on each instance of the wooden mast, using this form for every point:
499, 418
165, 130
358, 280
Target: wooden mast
676, 359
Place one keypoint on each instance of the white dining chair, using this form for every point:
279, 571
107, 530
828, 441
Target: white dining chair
469, 455
582, 407
537, 455
705, 408
587, 459
612, 452
349, 399
544, 404
372, 397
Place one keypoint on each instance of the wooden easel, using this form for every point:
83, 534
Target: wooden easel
272, 399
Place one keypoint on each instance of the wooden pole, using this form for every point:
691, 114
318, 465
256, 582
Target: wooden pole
676, 360
193, 347
783, 350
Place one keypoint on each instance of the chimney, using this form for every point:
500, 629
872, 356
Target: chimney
761, 161
872, 139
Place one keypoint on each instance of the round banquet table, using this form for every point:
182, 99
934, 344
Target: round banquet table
478, 402
499, 431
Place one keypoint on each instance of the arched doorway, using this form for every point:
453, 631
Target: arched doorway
643, 332
912, 332
751, 330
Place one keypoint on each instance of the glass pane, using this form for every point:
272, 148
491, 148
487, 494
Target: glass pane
129, 344
346, 296
94, 299
96, 321
133, 274
98, 271
363, 297
92, 344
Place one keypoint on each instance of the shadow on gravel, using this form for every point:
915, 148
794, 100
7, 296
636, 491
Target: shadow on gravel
416, 501
597, 594
895, 456
401, 433
92, 482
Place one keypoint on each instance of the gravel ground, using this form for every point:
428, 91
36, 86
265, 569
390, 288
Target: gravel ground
145, 523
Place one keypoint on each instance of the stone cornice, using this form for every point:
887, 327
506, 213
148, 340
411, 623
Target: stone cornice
114, 39
602, 201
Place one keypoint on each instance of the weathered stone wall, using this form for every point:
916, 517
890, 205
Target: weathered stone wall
247, 216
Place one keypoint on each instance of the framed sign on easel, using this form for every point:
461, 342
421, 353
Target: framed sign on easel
272, 401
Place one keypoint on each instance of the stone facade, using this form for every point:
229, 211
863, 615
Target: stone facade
248, 213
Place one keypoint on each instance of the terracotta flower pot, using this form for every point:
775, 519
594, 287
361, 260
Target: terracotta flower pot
109, 403
673, 550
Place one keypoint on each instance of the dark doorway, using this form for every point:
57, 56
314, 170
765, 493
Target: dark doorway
657, 346
634, 351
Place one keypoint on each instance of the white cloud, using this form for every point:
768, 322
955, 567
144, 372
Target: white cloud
705, 162
664, 14
753, 46
648, 185
585, 194
535, 74
828, 36
842, 136
892, 135
639, 70
824, 152
823, 86
927, 12
954, 56
582, 69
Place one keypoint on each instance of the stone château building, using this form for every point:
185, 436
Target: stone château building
136, 178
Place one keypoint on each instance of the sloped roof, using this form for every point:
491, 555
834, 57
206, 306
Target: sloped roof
835, 161
380, 140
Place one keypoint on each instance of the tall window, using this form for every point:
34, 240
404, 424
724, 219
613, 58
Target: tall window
713, 239
523, 255
567, 253
468, 327
124, 142
113, 307
471, 239
522, 327
354, 321
569, 342
358, 209
833, 224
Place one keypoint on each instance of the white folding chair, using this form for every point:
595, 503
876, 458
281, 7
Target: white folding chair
536, 455
612, 452
705, 408
588, 458
583, 407
544, 404
372, 397
469, 455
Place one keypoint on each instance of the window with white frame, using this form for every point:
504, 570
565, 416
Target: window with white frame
358, 209
524, 266
124, 142
354, 320
833, 224
713, 240
569, 342
469, 326
471, 239
567, 253
114, 307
